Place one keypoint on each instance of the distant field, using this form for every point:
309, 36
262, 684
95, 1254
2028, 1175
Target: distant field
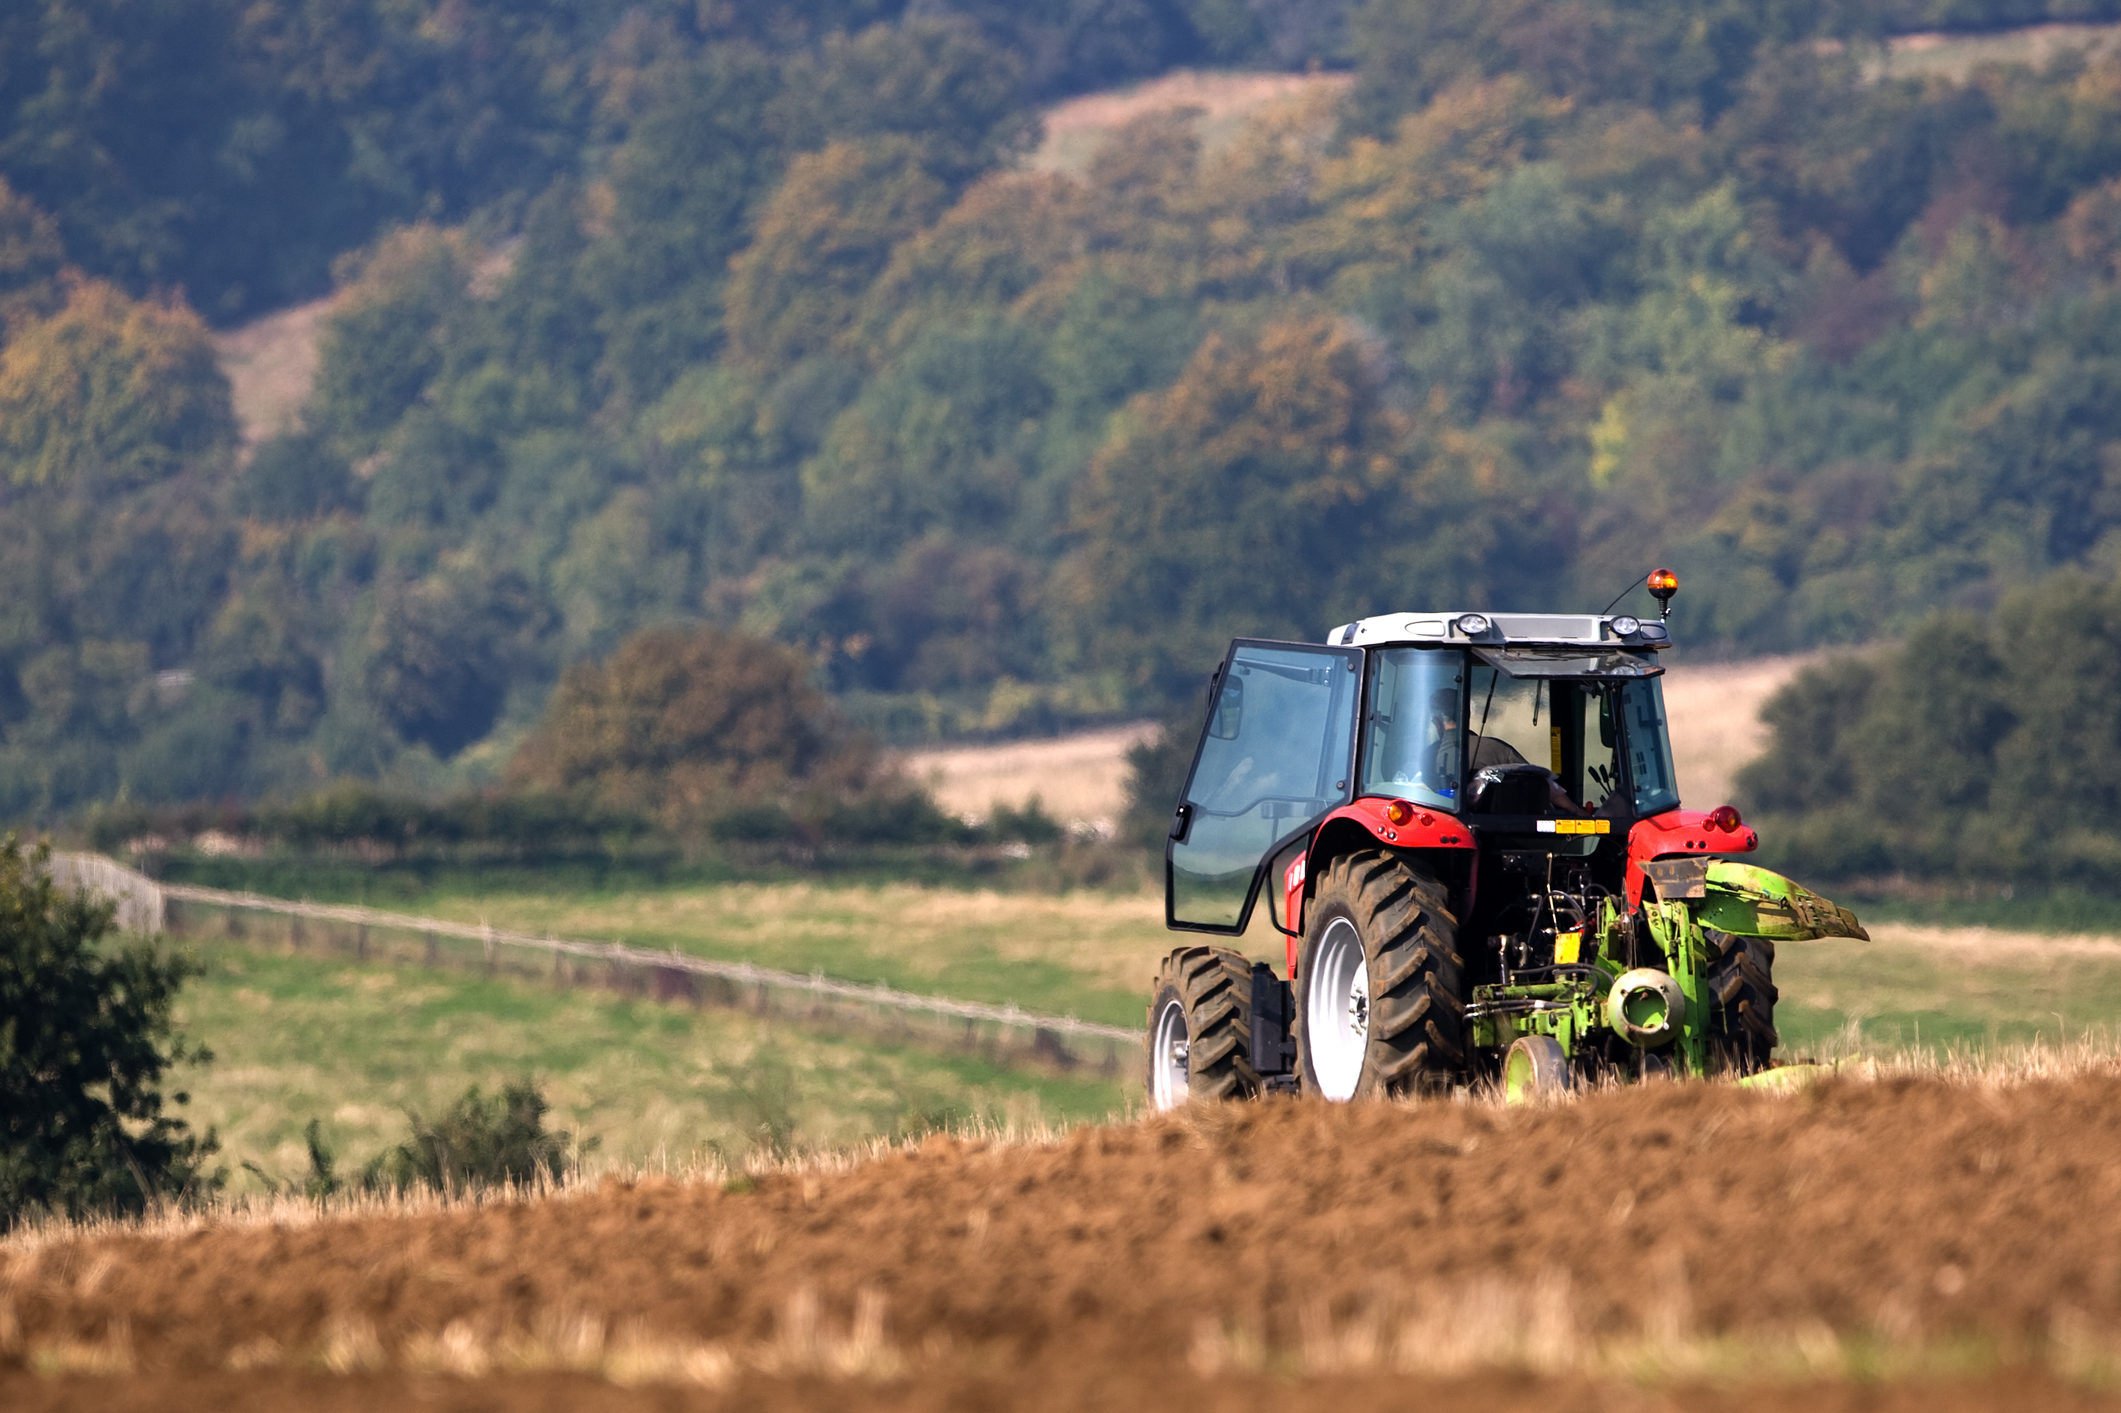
297, 1037
1081, 778
1937, 987
1077, 128
1955, 56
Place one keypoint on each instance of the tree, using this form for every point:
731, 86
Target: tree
687, 725
30, 255
389, 337
822, 239
86, 1043
439, 653
1273, 491
110, 388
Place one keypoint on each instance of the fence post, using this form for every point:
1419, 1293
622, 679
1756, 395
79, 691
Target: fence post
486, 937
361, 941
428, 948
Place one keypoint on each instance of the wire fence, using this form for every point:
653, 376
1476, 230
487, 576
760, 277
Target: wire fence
1006, 1033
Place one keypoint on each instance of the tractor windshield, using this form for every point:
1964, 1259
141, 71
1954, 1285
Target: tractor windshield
1434, 720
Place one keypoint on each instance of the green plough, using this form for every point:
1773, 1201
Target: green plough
1653, 983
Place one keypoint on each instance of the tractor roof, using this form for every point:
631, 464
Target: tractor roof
1478, 629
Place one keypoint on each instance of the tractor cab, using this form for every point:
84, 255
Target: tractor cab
1532, 741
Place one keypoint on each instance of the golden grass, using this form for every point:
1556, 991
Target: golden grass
1076, 129
271, 365
1078, 779
1955, 56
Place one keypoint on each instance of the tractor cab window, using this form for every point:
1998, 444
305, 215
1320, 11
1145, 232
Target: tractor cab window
1649, 746
1417, 702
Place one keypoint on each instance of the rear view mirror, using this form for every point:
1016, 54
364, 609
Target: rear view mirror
1229, 712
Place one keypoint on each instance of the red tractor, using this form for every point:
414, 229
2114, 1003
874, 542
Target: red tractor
1472, 826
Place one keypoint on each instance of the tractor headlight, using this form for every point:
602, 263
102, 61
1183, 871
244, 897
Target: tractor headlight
1627, 627
1473, 624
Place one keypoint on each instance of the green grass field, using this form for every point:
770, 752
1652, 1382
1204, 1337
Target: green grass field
354, 1046
1090, 953
1935, 987
1086, 952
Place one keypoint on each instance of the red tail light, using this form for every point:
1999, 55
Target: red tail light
1725, 818
1399, 812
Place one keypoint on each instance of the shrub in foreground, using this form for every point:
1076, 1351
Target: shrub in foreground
86, 1043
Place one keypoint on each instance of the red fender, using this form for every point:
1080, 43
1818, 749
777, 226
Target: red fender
1426, 829
1677, 833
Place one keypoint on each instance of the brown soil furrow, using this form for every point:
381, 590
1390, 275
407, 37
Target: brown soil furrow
1049, 1390
1912, 1213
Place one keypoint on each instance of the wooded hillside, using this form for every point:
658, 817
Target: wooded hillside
755, 315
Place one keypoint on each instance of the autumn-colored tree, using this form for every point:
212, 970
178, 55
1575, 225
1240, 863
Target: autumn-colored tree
687, 724
822, 239
110, 388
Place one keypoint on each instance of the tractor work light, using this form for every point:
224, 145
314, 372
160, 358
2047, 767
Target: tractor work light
1725, 818
1627, 627
1663, 583
1473, 624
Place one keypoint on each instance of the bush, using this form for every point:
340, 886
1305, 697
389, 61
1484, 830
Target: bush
85, 1044
688, 725
480, 1142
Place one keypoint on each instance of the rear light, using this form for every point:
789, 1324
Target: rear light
1725, 818
1399, 812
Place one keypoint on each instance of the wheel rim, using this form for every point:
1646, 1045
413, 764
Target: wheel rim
1169, 1081
1337, 1010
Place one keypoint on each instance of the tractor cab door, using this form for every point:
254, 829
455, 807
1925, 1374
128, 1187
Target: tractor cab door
1275, 757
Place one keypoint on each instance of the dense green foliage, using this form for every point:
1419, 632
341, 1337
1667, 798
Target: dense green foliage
1983, 753
85, 1048
675, 315
478, 1142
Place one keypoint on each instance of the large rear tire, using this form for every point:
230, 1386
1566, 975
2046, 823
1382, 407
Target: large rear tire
1380, 983
1742, 995
1200, 1028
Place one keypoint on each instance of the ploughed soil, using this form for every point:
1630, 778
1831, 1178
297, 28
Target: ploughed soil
1910, 1243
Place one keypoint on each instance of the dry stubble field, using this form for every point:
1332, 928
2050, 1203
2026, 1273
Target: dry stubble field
1933, 1241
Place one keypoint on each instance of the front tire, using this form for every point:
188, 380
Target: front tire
1200, 1028
1381, 985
